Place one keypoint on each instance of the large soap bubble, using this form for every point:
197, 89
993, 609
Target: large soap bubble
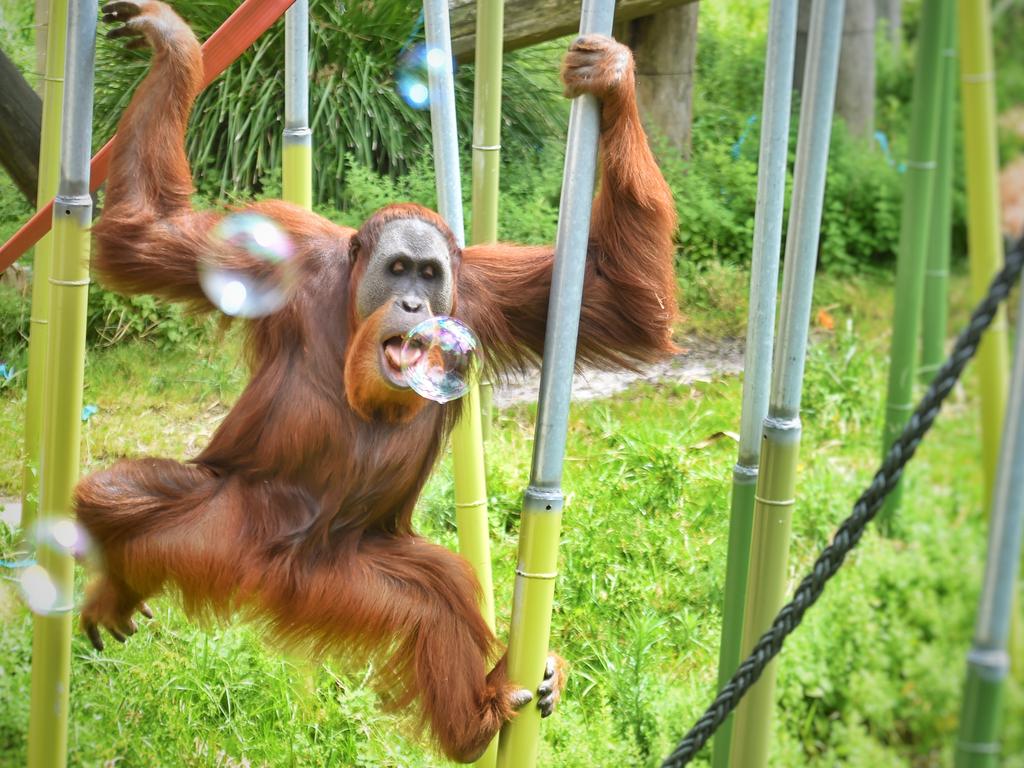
36, 584
249, 269
440, 358
39, 591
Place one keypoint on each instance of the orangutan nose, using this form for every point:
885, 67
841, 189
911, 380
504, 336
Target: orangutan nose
412, 304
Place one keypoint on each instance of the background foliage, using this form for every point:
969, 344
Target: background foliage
356, 113
871, 679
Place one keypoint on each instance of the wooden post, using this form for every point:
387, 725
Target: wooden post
890, 13
855, 90
665, 48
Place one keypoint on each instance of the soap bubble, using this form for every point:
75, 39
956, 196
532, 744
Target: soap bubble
63, 535
39, 591
440, 358
248, 270
411, 77
36, 585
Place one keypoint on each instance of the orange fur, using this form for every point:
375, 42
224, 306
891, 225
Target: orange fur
298, 512
368, 394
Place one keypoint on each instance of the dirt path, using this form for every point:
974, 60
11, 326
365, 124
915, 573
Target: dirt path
700, 360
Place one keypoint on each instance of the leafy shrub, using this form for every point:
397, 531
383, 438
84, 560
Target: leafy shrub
14, 320
113, 317
356, 114
716, 189
529, 202
861, 217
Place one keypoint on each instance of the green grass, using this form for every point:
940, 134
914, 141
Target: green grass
871, 679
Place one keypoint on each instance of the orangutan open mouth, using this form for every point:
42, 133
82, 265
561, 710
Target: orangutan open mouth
396, 356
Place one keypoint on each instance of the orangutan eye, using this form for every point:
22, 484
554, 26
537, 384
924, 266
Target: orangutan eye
428, 272
397, 267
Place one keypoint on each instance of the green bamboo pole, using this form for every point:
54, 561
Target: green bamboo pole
988, 663
936, 280
471, 499
65, 363
467, 438
540, 524
467, 443
776, 482
915, 221
984, 239
38, 335
764, 273
297, 145
297, 179
985, 243
490, 25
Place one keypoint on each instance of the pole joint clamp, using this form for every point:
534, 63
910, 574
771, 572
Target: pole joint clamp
72, 201
543, 499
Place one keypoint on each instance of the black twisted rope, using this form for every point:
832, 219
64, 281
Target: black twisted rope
864, 511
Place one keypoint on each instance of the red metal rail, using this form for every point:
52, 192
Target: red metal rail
250, 20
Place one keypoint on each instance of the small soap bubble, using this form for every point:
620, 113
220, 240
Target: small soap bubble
411, 77
248, 270
440, 358
65, 536
39, 591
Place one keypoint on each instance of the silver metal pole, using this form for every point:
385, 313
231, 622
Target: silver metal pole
59, 458
567, 278
443, 126
467, 438
776, 483
1005, 527
296, 70
298, 137
805, 217
771, 193
540, 524
76, 120
988, 661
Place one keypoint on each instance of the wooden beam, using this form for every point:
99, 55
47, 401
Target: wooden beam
528, 22
21, 113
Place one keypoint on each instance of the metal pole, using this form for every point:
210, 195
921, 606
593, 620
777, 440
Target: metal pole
490, 22
771, 192
915, 221
38, 335
936, 277
65, 359
984, 238
467, 439
988, 662
297, 149
536, 569
776, 484
443, 126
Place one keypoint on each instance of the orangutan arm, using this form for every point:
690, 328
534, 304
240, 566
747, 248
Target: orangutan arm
629, 306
